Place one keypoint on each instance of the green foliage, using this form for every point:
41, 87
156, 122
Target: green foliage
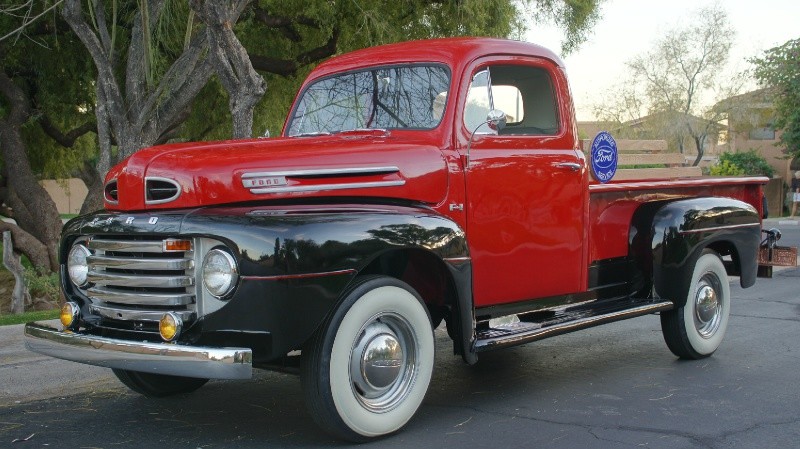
726, 168
53, 68
742, 163
43, 285
779, 69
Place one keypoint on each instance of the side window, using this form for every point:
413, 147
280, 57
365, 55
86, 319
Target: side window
525, 94
479, 102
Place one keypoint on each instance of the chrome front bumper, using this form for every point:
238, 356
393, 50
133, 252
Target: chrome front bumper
157, 358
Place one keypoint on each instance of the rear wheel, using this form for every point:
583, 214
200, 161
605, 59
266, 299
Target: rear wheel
158, 385
367, 370
696, 330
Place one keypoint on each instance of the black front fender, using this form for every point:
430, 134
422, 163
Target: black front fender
296, 262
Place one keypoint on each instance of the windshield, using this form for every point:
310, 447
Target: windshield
381, 98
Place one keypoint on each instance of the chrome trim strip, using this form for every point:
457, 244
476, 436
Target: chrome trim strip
719, 228
674, 183
159, 358
125, 280
134, 246
350, 171
118, 313
350, 185
298, 276
457, 259
167, 180
138, 298
139, 264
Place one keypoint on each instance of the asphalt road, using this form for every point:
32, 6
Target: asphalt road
612, 386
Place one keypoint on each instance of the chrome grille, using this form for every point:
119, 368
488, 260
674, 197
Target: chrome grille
140, 280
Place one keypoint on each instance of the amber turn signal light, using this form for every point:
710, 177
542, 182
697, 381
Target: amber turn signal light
178, 245
169, 326
69, 314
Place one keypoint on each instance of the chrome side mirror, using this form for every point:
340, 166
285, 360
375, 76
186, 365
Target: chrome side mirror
496, 119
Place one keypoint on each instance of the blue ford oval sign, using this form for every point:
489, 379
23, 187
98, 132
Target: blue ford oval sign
604, 157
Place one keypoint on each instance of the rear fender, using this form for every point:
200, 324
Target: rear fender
682, 229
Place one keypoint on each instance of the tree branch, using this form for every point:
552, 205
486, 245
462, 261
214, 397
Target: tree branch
65, 140
73, 14
288, 67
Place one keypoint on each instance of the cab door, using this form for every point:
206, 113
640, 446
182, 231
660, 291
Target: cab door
524, 183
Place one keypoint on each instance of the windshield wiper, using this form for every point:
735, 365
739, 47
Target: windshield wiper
312, 134
383, 132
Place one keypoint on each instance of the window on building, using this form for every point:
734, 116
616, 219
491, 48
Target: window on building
765, 133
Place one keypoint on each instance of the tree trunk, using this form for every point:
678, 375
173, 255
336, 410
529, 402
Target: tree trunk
33, 208
698, 142
231, 62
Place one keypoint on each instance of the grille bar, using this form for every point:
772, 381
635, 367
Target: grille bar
133, 246
144, 281
125, 263
136, 298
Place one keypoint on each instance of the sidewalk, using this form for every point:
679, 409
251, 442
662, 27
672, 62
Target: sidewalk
26, 376
783, 221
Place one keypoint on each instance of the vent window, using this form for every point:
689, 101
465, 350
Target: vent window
161, 190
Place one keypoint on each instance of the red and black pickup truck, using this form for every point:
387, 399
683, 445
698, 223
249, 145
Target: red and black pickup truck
412, 184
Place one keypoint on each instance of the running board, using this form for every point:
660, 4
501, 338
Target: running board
562, 322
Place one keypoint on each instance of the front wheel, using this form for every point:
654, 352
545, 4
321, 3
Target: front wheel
158, 385
696, 330
366, 371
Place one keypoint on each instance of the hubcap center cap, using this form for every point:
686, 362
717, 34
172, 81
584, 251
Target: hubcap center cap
382, 360
707, 304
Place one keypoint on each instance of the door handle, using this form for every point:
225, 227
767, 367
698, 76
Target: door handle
574, 166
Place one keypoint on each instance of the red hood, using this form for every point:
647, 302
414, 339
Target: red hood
296, 167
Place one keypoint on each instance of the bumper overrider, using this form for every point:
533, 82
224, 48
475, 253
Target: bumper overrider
155, 358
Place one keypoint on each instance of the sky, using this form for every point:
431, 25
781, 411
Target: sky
630, 27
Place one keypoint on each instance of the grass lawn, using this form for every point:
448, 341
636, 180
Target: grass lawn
6, 320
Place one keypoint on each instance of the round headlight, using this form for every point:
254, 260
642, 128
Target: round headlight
77, 265
219, 272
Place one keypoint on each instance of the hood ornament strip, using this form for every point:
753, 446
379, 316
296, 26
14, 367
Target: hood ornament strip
315, 187
276, 182
349, 171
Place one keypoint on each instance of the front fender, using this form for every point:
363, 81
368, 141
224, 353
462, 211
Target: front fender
297, 261
682, 229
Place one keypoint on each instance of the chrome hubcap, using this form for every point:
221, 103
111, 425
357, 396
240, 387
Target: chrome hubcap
382, 362
707, 305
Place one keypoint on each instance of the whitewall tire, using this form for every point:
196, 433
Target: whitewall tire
697, 329
366, 371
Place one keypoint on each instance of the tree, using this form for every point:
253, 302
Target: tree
144, 89
671, 81
46, 112
779, 69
